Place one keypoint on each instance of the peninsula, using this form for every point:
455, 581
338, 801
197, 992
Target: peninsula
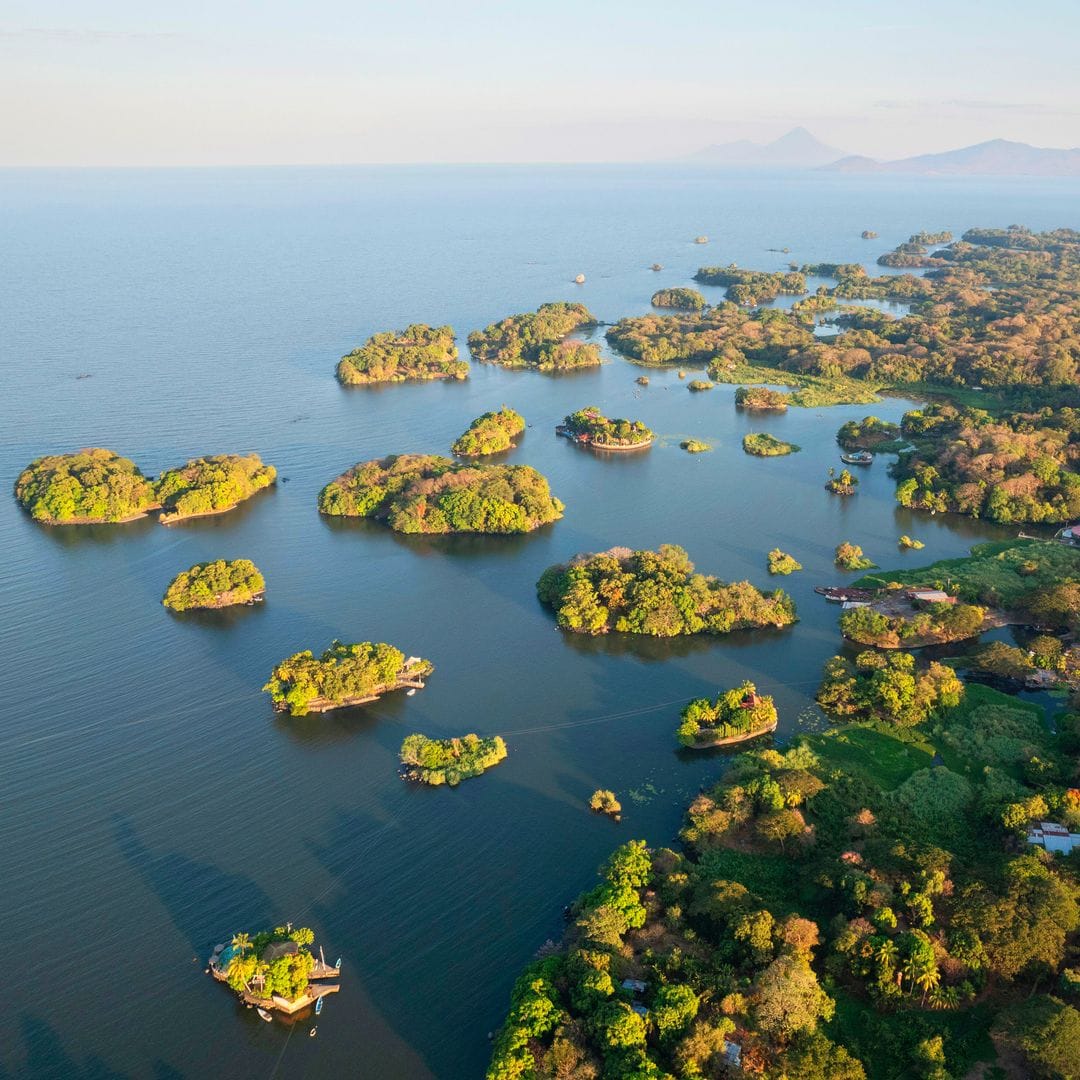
418, 493
657, 593
345, 675
417, 352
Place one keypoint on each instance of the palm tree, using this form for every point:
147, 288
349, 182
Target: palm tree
910, 970
886, 953
928, 978
241, 941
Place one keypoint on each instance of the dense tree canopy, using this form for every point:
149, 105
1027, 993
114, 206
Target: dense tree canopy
761, 444
538, 340
211, 485
654, 592
449, 761
275, 973
490, 434
591, 426
214, 585
417, 352
737, 713
87, 486
416, 493
343, 675
682, 299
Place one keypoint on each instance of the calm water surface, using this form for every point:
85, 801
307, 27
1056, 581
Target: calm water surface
153, 802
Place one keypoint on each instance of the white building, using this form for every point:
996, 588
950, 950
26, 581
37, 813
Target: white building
1054, 837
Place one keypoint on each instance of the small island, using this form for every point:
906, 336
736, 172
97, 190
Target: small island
417, 352
735, 716
345, 675
907, 543
781, 563
869, 234
604, 802
449, 761
842, 483
695, 386
869, 433
751, 287
425, 493
850, 557
695, 446
680, 299
275, 969
760, 444
642, 380
491, 433
87, 487
589, 427
657, 593
761, 398
211, 485
538, 340
216, 584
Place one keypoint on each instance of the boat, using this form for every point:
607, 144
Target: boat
318, 1007
410, 692
263, 1014
858, 457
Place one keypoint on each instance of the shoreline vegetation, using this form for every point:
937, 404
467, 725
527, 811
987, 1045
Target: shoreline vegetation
213, 585
734, 717
449, 761
344, 676
97, 486
491, 433
657, 593
761, 399
425, 493
419, 352
763, 445
538, 340
679, 298
589, 427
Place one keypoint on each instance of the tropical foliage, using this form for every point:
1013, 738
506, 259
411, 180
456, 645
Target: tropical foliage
592, 426
780, 562
490, 434
215, 585
735, 714
343, 675
683, 299
654, 592
761, 444
934, 624
87, 486
850, 557
417, 352
449, 761
283, 973
760, 397
211, 485
416, 493
538, 340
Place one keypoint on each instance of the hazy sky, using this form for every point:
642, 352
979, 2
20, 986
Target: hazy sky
142, 82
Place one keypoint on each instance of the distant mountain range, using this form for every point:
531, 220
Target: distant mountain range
798, 149
998, 157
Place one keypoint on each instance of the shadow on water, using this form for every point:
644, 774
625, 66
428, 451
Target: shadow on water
228, 518
74, 536
656, 650
340, 725
218, 618
201, 900
46, 1058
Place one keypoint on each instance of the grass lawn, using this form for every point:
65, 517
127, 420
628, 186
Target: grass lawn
810, 391
881, 756
991, 569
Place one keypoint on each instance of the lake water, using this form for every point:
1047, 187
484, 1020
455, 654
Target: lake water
153, 802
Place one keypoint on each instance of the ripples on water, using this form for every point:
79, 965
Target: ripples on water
154, 803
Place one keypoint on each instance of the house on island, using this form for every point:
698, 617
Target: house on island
732, 1054
930, 596
1054, 837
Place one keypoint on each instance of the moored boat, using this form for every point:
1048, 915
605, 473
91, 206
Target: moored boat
857, 457
264, 1015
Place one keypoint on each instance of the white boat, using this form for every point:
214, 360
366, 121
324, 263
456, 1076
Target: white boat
410, 691
264, 1015
318, 1007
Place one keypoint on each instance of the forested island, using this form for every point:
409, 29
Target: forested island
735, 716
215, 584
343, 676
491, 433
760, 444
781, 563
425, 493
761, 398
449, 761
96, 485
417, 352
656, 593
211, 485
695, 446
842, 482
870, 433
750, 287
681, 299
539, 340
89, 486
590, 427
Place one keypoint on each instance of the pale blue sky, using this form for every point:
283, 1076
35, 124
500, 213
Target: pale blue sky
341, 81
